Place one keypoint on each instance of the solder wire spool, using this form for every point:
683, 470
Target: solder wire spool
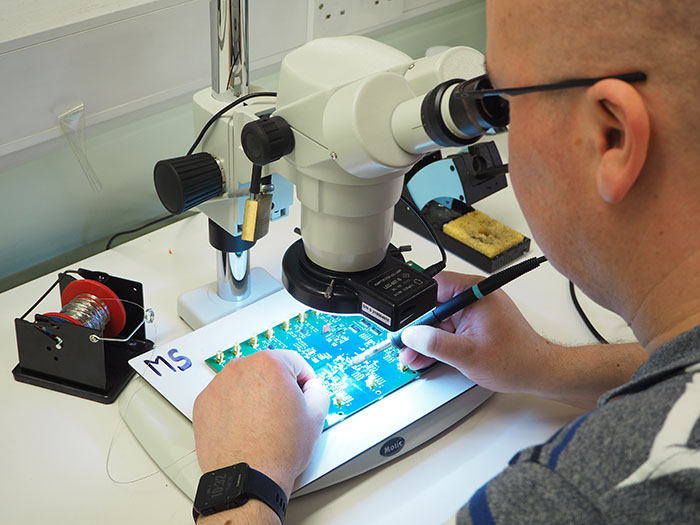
91, 304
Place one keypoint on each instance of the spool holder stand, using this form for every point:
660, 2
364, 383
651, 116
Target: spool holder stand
61, 356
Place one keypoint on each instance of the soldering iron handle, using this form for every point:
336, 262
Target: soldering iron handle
500, 279
428, 319
470, 296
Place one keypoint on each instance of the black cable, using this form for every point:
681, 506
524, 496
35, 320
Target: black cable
584, 317
156, 221
437, 267
255, 179
224, 110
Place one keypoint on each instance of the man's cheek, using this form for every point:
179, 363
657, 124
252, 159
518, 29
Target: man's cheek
521, 170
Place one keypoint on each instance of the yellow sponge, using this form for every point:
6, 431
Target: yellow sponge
482, 233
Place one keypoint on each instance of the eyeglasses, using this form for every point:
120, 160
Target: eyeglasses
479, 108
481, 87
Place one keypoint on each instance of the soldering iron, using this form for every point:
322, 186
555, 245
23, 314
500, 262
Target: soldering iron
443, 311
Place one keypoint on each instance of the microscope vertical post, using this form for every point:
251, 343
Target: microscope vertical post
229, 70
229, 48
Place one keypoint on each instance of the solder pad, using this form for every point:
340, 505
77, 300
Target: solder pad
328, 342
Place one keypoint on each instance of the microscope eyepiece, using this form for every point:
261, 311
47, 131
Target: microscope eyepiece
475, 114
452, 116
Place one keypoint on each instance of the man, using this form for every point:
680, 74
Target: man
607, 178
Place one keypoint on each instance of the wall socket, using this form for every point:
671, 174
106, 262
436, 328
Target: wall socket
371, 13
341, 17
330, 18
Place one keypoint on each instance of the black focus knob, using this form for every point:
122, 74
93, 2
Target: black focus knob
267, 139
184, 182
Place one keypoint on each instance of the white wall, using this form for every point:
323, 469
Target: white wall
135, 75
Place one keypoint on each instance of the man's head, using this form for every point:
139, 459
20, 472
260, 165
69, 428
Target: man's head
600, 171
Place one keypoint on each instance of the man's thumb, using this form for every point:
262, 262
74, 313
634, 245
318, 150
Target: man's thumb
432, 342
420, 338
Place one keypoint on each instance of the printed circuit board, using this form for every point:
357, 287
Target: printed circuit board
328, 342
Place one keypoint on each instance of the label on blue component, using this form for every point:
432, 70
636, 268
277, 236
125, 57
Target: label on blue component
373, 312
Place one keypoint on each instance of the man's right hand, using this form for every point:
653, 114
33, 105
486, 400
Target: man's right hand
492, 344
267, 410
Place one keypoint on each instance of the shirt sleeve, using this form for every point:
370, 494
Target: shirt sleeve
527, 493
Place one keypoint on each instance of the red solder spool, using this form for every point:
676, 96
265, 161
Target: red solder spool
91, 304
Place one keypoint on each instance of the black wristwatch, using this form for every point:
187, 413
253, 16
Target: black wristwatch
231, 487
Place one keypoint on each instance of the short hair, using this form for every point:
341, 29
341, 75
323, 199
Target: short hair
659, 37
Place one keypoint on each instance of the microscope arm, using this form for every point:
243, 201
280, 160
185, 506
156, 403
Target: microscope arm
352, 116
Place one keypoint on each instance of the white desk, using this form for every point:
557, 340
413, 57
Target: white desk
55, 447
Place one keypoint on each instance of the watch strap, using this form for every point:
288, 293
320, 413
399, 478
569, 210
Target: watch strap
261, 487
233, 486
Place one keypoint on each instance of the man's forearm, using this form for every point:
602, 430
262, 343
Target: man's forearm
580, 375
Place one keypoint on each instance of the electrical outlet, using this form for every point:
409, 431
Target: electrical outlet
330, 17
371, 13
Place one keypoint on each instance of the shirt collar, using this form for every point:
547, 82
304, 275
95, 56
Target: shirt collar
669, 359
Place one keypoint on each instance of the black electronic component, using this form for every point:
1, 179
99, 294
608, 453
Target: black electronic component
443, 311
392, 293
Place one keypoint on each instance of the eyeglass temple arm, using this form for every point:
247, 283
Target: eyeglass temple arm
565, 84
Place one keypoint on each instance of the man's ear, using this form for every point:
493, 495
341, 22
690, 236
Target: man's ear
622, 132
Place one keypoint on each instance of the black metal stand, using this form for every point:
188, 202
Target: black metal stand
62, 356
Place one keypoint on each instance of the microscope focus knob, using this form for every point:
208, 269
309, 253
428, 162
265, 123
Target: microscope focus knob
267, 139
184, 182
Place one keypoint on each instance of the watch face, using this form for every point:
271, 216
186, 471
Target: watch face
221, 489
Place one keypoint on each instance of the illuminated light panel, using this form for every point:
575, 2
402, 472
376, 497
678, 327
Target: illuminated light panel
328, 342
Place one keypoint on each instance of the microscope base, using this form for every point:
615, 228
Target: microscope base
202, 306
168, 438
158, 411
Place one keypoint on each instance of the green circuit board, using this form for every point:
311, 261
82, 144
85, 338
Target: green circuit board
328, 342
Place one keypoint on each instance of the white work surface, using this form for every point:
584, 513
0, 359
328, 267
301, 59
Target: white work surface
69, 460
